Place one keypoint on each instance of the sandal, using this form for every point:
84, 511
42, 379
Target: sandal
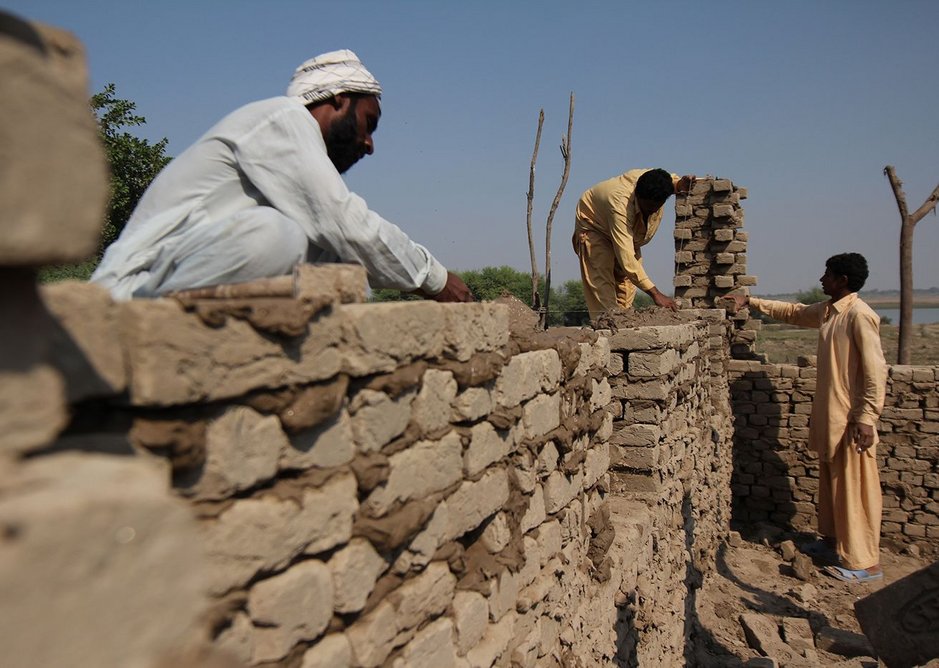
848, 575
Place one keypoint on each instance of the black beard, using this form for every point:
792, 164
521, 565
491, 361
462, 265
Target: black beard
342, 145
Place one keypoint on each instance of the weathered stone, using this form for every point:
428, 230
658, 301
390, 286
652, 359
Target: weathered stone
652, 364
333, 651
560, 489
431, 647
525, 376
237, 639
355, 568
431, 408
471, 404
377, 418
372, 637
423, 597
763, 635
326, 445
266, 533
242, 448
55, 197
497, 534
32, 407
293, 606
473, 328
486, 447
174, 358
494, 642
473, 502
103, 535
797, 632
424, 468
541, 415
84, 348
470, 616
535, 514
845, 643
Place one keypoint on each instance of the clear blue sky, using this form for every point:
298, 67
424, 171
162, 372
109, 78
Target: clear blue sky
802, 102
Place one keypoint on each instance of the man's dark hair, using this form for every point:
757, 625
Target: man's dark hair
655, 185
851, 265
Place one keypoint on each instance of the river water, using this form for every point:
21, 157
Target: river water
921, 316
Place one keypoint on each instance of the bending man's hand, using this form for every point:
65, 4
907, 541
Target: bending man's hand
454, 291
662, 300
861, 436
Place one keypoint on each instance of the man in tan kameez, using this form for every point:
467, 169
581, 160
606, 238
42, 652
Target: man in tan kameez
613, 220
849, 398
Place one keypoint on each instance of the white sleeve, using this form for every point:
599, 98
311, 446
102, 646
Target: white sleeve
285, 159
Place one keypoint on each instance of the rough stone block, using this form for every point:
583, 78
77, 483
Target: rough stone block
383, 336
423, 597
372, 637
471, 404
266, 533
526, 375
326, 445
333, 651
291, 607
422, 469
647, 338
377, 418
431, 408
473, 328
541, 415
93, 545
535, 513
652, 364
560, 490
430, 648
470, 616
497, 534
32, 407
54, 199
494, 642
486, 447
637, 435
85, 347
242, 448
174, 358
355, 568
473, 502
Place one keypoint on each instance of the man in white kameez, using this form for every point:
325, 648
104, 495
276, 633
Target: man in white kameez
261, 191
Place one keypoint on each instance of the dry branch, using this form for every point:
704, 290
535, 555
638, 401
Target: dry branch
566, 154
535, 301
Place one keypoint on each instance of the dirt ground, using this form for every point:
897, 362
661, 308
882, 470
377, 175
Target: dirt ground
784, 344
754, 577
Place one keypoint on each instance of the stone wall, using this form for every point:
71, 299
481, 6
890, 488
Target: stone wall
776, 475
357, 484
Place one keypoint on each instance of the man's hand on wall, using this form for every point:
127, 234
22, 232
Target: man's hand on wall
454, 291
739, 301
685, 184
662, 300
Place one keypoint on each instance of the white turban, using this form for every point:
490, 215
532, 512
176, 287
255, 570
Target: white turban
330, 74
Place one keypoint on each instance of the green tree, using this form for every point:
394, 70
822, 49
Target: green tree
134, 162
811, 296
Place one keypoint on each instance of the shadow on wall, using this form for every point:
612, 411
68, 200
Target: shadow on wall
767, 461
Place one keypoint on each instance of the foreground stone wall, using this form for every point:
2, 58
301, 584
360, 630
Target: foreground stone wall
306, 480
776, 476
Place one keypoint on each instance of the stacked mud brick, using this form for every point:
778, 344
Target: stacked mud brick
670, 451
389, 484
776, 475
711, 253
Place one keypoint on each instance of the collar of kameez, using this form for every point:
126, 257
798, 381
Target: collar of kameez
844, 303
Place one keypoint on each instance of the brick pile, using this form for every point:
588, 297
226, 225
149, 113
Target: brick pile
711, 252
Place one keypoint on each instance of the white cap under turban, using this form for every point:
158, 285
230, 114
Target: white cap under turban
330, 74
